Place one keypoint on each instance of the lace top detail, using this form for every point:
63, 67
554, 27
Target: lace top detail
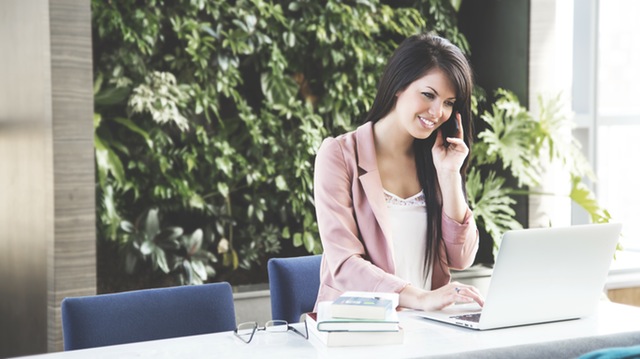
408, 238
417, 200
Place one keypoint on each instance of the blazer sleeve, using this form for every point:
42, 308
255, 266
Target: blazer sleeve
460, 240
344, 251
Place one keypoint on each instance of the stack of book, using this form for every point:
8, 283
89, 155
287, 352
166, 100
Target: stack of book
357, 318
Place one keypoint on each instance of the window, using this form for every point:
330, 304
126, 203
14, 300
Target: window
606, 101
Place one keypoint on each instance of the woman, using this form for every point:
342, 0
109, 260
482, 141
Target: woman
390, 199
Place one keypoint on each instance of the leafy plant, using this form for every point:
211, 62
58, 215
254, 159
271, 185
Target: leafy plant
210, 112
169, 249
521, 145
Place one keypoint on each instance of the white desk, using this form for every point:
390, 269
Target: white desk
423, 338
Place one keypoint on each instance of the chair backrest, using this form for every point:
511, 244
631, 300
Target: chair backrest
293, 284
148, 314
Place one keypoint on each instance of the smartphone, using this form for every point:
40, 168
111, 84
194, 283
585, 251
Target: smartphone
450, 128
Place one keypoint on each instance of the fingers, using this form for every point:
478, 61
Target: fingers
456, 141
458, 138
454, 292
457, 145
468, 294
465, 293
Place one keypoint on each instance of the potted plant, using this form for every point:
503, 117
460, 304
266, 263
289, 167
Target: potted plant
517, 144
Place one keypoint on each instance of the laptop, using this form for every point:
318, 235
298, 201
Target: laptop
541, 275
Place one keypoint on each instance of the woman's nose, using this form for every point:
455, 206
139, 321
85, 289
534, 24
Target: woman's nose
435, 110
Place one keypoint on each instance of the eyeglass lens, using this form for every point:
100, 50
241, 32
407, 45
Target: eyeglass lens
276, 326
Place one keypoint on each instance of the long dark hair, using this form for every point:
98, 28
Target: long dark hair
416, 56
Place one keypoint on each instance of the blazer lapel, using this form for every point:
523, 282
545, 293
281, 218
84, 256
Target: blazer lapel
371, 182
373, 190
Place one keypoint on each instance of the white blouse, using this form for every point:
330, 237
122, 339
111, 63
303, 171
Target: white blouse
409, 237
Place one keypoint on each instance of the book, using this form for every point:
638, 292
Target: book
349, 339
361, 308
364, 305
394, 297
326, 322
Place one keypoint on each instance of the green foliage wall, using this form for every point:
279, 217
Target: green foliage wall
208, 116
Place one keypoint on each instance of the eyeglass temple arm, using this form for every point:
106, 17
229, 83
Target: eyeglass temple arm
306, 330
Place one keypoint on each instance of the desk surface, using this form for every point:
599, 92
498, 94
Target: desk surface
423, 338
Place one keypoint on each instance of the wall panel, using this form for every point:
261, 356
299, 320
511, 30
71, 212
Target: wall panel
73, 271
47, 209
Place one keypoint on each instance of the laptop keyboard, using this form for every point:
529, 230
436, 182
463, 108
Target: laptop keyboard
475, 317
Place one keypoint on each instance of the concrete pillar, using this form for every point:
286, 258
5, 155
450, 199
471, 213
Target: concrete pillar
47, 195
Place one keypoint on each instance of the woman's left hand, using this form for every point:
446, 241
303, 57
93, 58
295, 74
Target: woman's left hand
450, 158
454, 292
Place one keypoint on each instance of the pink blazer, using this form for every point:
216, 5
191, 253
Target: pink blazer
354, 226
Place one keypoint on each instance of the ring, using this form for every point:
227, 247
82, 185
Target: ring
457, 290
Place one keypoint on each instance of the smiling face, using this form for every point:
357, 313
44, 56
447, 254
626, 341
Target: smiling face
427, 103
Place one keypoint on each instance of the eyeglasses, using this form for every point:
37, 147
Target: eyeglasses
245, 331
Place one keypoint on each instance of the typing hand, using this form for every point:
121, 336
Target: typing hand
452, 293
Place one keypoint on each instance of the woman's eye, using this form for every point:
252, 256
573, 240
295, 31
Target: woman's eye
449, 103
428, 95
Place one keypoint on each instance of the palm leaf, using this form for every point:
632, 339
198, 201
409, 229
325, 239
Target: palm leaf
512, 138
522, 143
556, 128
585, 198
492, 204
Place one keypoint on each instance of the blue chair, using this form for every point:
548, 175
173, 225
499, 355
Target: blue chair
293, 284
148, 314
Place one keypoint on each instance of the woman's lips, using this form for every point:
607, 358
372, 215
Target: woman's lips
427, 123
